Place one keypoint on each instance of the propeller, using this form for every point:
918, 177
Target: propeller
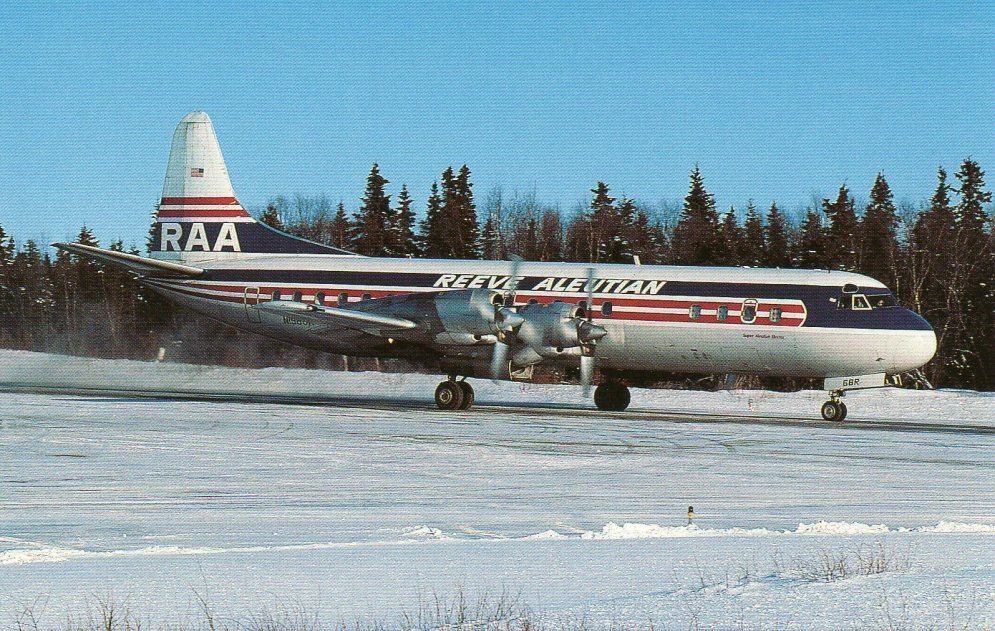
506, 319
588, 334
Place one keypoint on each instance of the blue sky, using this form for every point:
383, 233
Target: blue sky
774, 101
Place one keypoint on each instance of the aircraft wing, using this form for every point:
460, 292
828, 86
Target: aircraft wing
334, 317
138, 264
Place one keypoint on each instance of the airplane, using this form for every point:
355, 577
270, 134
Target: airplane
501, 319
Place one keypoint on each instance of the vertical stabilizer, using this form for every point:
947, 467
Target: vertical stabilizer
199, 217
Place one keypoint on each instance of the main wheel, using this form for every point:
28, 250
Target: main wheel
467, 395
449, 395
834, 411
612, 396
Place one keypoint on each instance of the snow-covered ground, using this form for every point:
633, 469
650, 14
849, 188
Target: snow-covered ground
364, 510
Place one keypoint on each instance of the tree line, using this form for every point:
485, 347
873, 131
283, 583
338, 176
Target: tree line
938, 257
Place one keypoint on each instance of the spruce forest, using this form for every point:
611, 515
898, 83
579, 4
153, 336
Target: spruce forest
937, 255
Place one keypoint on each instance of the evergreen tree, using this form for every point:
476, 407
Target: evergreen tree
432, 233
492, 243
754, 249
844, 231
696, 236
373, 218
617, 233
879, 257
811, 251
933, 286
89, 275
30, 279
339, 229
730, 239
600, 222
974, 270
7, 293
403, 226
970, 213
777, 250
466, 244
647, 240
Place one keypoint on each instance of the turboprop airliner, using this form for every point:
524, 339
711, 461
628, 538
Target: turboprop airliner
616, 324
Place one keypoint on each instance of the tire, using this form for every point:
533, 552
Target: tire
467, 395
842, 412
833, 412
449, 395
612, 397
601, 396
622, 398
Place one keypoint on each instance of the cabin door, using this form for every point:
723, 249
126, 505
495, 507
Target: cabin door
251, 297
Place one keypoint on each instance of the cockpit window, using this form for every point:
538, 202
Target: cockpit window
863, 302
882, 300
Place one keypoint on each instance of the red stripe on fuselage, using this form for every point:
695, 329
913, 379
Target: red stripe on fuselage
523, 297
198, 201
331, 295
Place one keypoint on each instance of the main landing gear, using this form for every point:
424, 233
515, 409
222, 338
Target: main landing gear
454, 395
612, 396
834, 410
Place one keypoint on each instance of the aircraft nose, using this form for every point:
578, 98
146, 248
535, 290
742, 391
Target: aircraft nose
918, 344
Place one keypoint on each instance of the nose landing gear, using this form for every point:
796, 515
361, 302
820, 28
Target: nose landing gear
834, 410
454, 395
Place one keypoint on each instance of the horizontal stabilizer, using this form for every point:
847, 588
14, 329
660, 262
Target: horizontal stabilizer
137, 264
334, 316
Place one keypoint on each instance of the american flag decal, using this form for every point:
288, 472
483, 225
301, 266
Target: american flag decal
196, 172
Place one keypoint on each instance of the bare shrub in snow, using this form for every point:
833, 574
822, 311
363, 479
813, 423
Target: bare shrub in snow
830, 565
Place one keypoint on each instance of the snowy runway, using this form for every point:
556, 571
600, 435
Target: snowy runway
362, 511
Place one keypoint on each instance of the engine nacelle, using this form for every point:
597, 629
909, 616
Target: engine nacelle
550, 326
468, 312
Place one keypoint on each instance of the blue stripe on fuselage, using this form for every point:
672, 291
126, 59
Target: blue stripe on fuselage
819, 300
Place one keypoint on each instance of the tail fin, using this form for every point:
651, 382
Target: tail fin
199, 217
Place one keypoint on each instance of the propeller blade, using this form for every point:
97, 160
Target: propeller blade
499, 361
590, 293
586, 373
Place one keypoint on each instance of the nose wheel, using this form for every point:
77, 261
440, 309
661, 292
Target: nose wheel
454, 395
834, 410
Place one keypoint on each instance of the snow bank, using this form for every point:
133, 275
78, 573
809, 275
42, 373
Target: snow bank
24, 369
38, 553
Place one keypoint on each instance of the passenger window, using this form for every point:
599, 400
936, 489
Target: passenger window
276, 295
606, 308
695, 312
298, 296
775, 314
860, 303
722, 313
343, 299
748, 312
319, 298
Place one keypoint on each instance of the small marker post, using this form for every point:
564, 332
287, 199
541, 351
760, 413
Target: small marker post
690, 515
